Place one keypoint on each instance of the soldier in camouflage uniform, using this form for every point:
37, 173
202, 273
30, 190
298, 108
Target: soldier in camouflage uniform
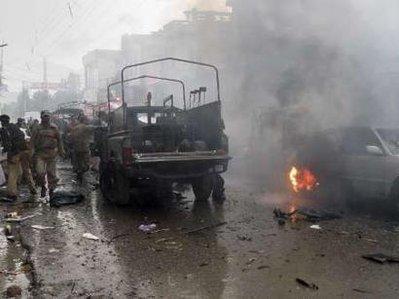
47, 145
81, 136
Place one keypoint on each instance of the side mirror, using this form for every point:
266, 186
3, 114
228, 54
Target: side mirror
374, 150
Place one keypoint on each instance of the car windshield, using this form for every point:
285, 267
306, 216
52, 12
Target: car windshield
391, 139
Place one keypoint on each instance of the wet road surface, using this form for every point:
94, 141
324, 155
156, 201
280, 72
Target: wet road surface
243, 253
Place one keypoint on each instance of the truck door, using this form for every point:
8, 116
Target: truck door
364, 170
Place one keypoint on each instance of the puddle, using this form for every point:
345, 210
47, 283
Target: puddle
13, 267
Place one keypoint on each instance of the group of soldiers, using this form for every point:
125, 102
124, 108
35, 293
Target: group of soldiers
34, 155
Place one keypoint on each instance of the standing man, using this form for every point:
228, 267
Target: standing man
13, 142
26, 157
47, 145
81, 136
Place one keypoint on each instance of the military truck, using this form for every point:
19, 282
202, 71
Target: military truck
149, 147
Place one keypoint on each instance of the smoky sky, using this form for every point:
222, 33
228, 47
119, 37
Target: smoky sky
64, 30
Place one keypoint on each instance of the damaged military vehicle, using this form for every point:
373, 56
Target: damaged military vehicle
152, 145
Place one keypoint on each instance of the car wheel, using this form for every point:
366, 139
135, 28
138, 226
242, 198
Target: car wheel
348, 195
394, 197
202, 187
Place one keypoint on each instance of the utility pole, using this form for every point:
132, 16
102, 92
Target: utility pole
2, 46
45, 83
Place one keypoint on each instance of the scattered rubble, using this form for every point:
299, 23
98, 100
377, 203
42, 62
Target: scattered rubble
206, 227
304, 214
147, 228
315, 226
13, 291
18, 219
244, 238
307, 284
90, 236
41, 227
64, 197
381, 258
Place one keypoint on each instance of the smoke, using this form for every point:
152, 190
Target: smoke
216, 5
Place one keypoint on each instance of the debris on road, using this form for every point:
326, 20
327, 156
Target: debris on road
41, 227
206, 227
370, 240
13, 291
313, 215
306, 284
244, 238
8, 230
304, 214
64, 197
53, 250
315, 226
12, 215
381, 258
250, 261
90, 236
19, 219
278, 213
362, 291
147, 228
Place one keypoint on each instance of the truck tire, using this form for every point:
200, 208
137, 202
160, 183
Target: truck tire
394, 198
202, 187
114, 186
120, 191
218, 194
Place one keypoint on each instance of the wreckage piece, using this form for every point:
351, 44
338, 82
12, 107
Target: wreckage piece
206, 227
90, 236
312, 215
279, 214
65, 197
306, 284
381, 258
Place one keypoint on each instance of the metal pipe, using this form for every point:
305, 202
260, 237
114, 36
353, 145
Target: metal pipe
138, 78
161, 60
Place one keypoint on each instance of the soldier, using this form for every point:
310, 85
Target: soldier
81, 135
13, 141
47, 145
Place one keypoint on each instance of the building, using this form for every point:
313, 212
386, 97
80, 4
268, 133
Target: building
100, 68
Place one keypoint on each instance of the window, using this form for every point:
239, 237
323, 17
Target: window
355, 141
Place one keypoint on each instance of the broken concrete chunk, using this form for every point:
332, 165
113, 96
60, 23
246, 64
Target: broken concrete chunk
90, 236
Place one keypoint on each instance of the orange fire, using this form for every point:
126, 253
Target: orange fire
302, 179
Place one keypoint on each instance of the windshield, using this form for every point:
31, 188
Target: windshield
391, 139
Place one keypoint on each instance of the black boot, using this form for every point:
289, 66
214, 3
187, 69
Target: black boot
43, 192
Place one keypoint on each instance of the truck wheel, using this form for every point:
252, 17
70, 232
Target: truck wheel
105, 183
218, 189
202, 187
120, 191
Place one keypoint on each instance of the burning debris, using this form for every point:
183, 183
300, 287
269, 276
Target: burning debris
302, 179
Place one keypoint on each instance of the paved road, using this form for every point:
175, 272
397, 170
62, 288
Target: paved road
249, 256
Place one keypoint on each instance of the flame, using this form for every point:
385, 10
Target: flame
302, 179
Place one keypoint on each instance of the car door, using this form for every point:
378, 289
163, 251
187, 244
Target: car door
365, 171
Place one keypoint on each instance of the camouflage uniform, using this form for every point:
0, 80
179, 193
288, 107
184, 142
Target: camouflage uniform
80, 137
47, 145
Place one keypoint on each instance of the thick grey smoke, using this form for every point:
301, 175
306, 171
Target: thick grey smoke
335, 59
